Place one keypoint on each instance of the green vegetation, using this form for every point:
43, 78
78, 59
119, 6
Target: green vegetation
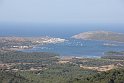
11, 77
113, 76
64, 73
114, 55
43, 67
34, 57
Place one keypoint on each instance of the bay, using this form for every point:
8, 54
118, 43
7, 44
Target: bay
80, 48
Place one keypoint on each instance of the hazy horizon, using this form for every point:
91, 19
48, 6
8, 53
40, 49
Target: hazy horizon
60, 17
55, 30
62, 11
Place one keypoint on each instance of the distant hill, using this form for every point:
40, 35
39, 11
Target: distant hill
100, 35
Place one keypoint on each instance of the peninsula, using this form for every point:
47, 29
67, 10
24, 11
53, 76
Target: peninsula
100, 35
16, 43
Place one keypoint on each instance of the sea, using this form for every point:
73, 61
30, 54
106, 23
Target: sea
71, 47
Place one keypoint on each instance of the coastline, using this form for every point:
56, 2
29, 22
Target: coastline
65, 49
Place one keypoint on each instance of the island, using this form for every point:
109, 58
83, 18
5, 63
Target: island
100, 35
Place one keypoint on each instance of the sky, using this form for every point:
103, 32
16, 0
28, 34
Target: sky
62, 11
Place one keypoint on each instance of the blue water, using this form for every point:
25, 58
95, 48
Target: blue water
82, 48
54, 30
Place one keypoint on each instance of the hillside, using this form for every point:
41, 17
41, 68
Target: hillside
113, 76
100, 35
11, 77
43, 67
